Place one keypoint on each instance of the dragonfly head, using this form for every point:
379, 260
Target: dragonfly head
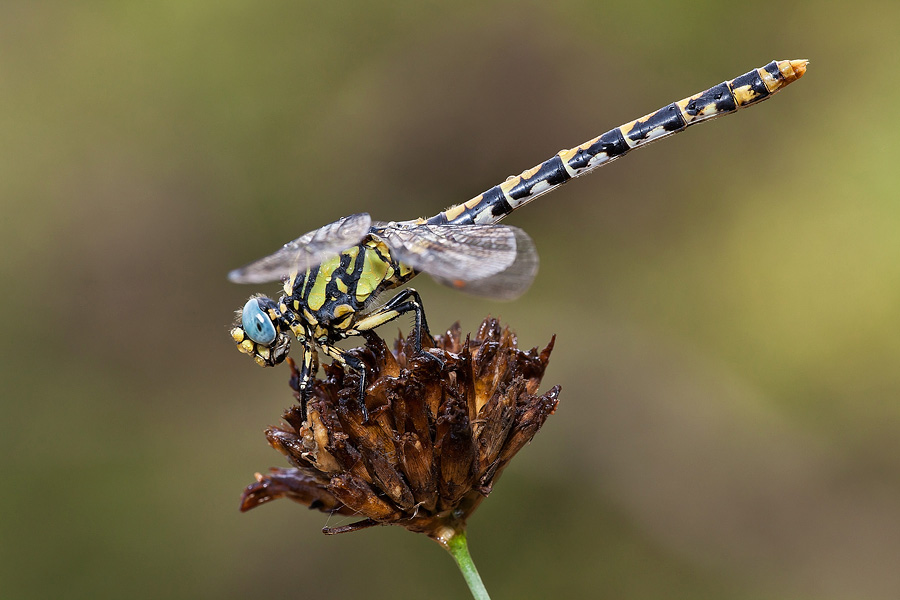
261, 332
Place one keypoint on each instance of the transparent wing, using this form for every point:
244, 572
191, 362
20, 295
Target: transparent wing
496, 261
306, 251
507, 284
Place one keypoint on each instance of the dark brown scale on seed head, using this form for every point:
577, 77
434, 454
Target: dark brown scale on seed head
439, 432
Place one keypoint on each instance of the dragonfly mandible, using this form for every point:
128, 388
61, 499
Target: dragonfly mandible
333, 275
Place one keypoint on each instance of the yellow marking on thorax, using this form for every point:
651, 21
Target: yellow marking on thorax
316, 297
341, 286
305, 283
342, 309
373, 272
343, 323
289, 283
352, 253
406, 270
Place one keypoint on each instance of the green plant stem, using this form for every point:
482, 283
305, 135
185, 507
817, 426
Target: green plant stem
458, 548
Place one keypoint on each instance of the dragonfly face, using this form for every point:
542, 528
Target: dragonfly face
262, 332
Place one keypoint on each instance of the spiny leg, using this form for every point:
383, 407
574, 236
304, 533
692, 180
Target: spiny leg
407, 300
347, 360
307, 372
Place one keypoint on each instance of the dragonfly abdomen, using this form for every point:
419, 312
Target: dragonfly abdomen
725, 98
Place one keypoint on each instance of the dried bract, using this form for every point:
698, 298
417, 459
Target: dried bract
441, 428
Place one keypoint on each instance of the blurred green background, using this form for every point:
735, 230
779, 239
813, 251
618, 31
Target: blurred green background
727, 303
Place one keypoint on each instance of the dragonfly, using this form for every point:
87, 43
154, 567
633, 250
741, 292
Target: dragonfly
334, 277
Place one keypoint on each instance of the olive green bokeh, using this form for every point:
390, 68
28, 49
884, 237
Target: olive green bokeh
727, 302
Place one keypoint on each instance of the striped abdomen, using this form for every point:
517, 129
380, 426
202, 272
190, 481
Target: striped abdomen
725, 98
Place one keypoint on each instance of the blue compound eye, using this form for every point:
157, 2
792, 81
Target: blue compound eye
257, 324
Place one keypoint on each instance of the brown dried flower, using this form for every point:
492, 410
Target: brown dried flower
439, 432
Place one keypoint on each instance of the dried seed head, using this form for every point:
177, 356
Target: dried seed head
438, 435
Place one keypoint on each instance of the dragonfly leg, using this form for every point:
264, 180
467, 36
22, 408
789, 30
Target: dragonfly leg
347, 360
307, 371
407, 300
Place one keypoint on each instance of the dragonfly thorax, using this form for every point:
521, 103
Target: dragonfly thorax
328, 298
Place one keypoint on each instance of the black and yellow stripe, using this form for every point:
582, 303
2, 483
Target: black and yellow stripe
722, 99
330, 296
333, 299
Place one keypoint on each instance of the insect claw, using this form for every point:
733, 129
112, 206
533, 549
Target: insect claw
424, 354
